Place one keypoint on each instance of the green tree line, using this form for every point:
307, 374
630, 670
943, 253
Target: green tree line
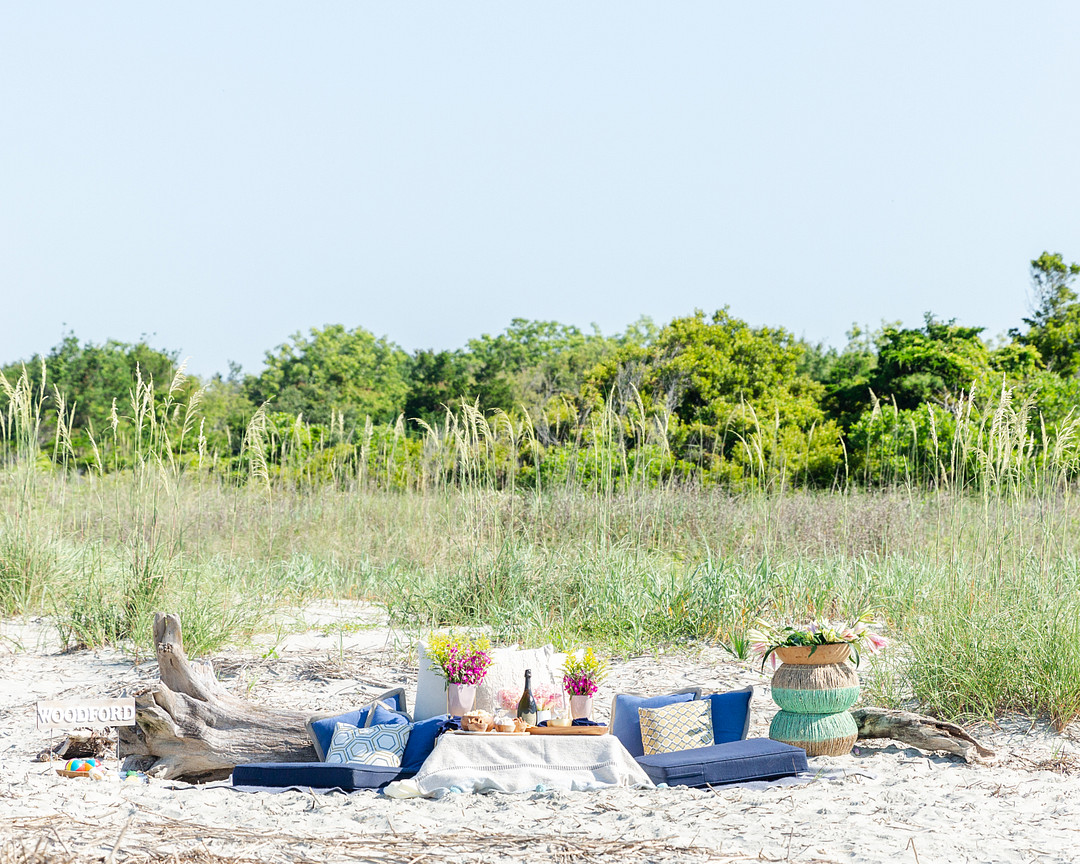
704, 398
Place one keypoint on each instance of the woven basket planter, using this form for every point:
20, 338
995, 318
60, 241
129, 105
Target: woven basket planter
804, 689
814, 655
815, 687
817, 734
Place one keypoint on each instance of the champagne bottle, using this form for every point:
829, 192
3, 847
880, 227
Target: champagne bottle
526, 708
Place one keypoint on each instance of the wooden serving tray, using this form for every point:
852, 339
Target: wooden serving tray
500, 734
567, 730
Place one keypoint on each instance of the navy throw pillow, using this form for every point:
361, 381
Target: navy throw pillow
730, 715
421, 742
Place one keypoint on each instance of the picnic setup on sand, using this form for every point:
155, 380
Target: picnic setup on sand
512, 720
373, 746
515, 720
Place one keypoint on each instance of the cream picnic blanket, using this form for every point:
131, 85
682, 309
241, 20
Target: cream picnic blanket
506, 763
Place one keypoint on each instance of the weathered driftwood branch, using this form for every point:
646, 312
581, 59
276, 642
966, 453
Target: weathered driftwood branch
189, 727
80, 744
926, 733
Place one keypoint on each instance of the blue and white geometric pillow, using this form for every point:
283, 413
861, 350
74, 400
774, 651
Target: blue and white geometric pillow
375, 745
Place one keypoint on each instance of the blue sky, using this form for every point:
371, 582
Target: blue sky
223, 175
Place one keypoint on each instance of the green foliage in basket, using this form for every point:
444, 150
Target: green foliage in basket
766, 638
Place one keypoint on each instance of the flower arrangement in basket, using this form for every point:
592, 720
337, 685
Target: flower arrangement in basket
583, 676
766, 638
460, 659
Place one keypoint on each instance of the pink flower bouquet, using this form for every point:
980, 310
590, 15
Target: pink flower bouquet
583, 677
460, 659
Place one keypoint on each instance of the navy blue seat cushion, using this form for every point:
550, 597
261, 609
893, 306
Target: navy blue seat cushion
625, 723
730, 714
349, 776
733, 762
321, 729
421, 742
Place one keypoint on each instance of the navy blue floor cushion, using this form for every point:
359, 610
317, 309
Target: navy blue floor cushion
733, 762
318, 775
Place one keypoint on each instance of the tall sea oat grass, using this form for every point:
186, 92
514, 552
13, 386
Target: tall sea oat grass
563, 528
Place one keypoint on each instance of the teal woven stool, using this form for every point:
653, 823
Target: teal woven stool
814, 692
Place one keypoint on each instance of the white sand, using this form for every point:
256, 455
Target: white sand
893, 803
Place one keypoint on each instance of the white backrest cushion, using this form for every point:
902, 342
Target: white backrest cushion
430, 688
507, 672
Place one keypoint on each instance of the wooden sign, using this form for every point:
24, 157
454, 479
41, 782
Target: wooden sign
69, 713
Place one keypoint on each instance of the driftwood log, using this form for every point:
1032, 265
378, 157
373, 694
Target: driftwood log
925, 733
81, 744
189, 727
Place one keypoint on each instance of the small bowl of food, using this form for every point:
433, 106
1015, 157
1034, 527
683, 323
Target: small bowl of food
477, 721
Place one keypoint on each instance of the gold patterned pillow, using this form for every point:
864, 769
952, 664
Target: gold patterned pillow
682, 726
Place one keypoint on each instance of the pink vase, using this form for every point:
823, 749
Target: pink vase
580, 707
460, 699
